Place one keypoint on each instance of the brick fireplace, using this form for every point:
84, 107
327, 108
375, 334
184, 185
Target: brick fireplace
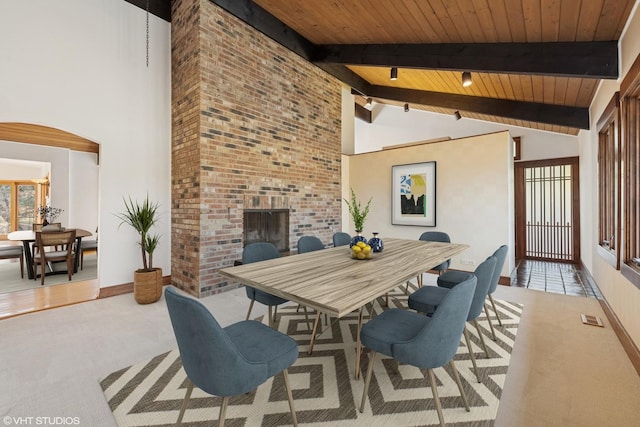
255, 127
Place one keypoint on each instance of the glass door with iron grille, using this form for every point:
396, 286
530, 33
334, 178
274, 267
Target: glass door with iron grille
548, 210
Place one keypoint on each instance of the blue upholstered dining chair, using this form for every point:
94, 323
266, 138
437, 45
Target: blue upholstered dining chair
309, 244
429, 298
433, 236
422, 341
255, 252
341, 238
227, 361
452, 278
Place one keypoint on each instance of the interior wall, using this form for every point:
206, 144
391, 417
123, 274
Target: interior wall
474, 193
392, 126
80, 66
61, 171
621, 294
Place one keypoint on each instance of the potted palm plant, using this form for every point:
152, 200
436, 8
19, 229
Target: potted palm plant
147, 281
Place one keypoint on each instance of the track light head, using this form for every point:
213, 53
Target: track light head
394, 73
466, 79
458, 115
406, 107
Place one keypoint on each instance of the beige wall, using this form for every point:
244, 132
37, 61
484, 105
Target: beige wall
621, 295
474, 193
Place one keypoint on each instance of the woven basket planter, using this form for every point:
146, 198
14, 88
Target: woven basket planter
147, 286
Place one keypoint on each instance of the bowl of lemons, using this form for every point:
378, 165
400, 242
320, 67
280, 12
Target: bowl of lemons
361, 251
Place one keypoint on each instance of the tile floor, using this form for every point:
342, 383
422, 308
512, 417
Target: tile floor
555, 277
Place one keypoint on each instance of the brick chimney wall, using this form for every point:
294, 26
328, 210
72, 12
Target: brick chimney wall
254, 127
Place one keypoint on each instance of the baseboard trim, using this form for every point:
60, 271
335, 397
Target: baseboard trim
625, 339
125, 288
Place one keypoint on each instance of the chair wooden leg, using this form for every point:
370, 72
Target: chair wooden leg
223, 411
434, 390
183, 408
43, 272
406, 289
313, 333
250, 308
481, 335
306, 316
290, 397
493, 304
358, 344
457, 378
367, 380
473, 357
486, 311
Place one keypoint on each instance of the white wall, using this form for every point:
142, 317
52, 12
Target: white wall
474, 193
19, 170
58, 159
392, 126
80, 66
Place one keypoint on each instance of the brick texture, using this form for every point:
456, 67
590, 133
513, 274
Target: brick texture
252, 123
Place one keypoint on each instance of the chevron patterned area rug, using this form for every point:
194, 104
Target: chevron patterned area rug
324, 389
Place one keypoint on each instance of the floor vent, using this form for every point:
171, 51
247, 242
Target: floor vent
588, 319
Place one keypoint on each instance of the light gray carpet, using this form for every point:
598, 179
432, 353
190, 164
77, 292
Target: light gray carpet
150, 393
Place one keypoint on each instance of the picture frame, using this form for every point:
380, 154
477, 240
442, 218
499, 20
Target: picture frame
413, 192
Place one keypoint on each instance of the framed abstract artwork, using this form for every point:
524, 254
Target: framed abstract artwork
413, 191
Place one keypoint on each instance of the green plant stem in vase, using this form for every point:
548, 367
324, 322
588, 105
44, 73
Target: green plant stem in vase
357, 213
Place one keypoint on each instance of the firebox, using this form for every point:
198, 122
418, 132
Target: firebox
267, 225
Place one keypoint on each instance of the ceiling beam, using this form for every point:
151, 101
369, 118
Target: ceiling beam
574, 117
159, 8
567, 59
261, 20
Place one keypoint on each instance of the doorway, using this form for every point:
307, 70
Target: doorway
547, 209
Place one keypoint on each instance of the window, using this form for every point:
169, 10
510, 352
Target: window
18, 202
609, 182
630, 107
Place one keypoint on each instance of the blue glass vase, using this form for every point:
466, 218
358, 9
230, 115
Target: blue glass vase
376, 243
357, 238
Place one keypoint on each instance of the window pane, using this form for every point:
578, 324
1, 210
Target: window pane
26, 206
5, 209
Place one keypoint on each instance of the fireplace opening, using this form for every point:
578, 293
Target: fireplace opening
267, 225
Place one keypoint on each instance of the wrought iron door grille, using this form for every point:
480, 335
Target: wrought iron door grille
549, 212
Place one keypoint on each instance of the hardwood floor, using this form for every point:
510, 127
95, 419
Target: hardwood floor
30, 300
555, 277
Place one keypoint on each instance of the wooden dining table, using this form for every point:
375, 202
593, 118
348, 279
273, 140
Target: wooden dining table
332, 282
28, 236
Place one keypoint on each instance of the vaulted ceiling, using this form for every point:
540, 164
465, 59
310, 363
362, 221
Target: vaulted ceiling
534, 63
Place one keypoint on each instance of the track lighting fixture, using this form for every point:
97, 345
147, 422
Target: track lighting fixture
394, 73
406, 107
458, 115
369, 102
466, 79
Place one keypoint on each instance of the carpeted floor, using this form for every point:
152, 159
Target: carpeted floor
325, 393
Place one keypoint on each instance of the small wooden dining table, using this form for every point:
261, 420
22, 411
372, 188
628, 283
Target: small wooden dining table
331, 282
28, 236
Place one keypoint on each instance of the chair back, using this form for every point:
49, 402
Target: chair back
210, 359
501, 256
437, 236
255, 252
484, 274
56, 238
341, 239
309, 244
437, 342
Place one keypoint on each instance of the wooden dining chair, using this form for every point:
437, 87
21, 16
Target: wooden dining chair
13, 251
47, 244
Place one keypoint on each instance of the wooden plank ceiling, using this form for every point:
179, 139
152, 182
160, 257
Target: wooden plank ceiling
534, 63
414, 27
